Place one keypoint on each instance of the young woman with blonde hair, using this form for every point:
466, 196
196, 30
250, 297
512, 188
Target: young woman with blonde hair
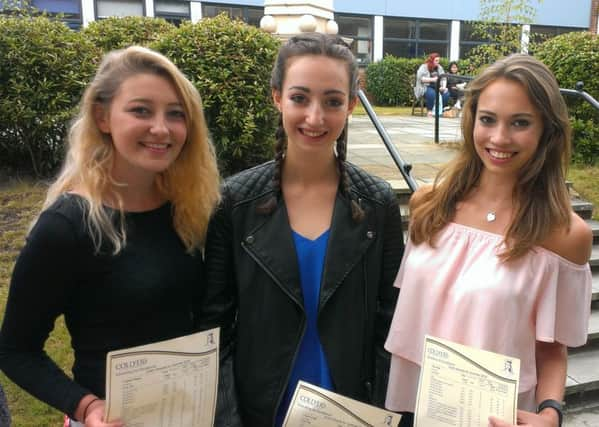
117, 246
497, 259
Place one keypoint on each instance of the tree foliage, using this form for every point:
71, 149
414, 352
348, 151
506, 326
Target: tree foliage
499, 24
229, 62
44, 67
120, 32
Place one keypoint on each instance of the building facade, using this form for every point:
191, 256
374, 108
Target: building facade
399, 27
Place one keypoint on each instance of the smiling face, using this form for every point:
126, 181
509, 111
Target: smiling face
507, 128
146, 122
314, 103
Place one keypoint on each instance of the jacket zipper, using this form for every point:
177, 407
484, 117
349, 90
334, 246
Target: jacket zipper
303, 329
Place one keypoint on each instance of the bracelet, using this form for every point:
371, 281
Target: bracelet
87, 407
555, 405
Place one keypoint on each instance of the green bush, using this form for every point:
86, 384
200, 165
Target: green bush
44, 67
229, 62
585, 136
573, 57
391, 80
120, 32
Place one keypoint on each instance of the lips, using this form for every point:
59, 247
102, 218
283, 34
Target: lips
313, 133
501, 155
155, 146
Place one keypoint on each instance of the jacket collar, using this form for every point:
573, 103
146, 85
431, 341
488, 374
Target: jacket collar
271, 244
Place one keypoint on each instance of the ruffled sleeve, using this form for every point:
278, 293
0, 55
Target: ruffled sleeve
564, 303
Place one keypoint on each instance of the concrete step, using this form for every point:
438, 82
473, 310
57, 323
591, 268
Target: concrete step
595, 229
595, 296
594, 261
583, 208
583, 372
593, 335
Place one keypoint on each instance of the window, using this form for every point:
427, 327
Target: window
70, 9
173, 11
248, 14
106, 8
412, 38
358, 28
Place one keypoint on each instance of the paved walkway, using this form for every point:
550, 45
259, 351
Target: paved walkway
413, 137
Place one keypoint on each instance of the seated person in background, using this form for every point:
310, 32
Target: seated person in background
455, 85
426, 78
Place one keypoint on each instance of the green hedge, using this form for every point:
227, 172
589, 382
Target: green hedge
230, 63
391, 80
119, 32
44, 67
573, 57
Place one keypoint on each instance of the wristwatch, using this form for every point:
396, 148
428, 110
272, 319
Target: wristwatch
553, 404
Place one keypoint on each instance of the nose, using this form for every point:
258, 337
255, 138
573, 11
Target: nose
315, 115
500, 134
159, 126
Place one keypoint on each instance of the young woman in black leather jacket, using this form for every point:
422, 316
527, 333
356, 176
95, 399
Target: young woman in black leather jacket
303, 251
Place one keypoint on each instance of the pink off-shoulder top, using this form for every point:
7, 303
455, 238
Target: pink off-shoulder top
459, 290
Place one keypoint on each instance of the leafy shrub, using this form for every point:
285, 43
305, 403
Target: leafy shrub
229, 62
120, 32
586, 141
391, 80
573, 57
44, 67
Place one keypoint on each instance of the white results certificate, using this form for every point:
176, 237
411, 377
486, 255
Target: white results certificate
462, 386
169, 383
315, 406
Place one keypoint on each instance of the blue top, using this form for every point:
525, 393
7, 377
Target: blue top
310, 363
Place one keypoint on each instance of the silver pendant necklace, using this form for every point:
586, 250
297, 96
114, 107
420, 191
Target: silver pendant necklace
491, 216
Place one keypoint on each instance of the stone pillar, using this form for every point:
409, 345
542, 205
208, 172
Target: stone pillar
594, 24
377, 43
287, 17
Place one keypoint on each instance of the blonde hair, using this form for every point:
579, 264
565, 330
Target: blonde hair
190, 183
541, 199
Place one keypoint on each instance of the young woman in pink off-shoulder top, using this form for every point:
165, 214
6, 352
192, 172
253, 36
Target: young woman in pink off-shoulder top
497, 259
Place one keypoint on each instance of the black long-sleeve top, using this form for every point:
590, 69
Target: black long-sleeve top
148, 292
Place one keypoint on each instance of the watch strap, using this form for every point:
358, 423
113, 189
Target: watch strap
554, 404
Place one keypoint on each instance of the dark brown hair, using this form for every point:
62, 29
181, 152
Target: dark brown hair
331, 47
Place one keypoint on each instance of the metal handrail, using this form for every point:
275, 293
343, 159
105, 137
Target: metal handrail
403, 167
578, 92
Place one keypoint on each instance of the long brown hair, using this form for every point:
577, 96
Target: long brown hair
541, 199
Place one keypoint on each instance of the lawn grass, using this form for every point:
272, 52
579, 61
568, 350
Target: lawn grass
585, 180
384, 111
19, 204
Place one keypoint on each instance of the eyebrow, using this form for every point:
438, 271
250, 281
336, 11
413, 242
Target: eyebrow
326, 92
149, 101
491, 113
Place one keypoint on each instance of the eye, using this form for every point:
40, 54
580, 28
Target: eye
486, 120
298, 98
521, 123
140, 110
334, 102
177, 114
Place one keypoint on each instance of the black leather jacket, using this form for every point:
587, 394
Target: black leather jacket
254, 293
